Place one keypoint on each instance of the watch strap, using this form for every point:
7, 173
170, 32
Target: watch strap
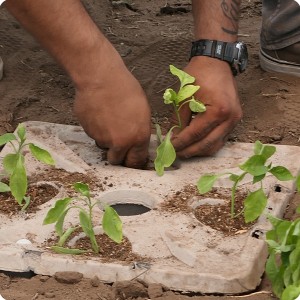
216, 49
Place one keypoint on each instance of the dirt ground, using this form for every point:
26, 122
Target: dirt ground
34, 87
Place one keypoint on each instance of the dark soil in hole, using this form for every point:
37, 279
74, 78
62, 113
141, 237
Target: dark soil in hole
41, 193
109, 250
216, 216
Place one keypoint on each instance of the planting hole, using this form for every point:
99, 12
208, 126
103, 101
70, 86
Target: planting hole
277, 188
128, 202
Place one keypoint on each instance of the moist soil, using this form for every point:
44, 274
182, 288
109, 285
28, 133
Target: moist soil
149, 35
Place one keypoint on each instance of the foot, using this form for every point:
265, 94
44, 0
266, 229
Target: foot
285, 60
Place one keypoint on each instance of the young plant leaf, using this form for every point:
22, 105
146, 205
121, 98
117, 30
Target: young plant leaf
206, 183
27, 202
292, 292
60, 222
170, 96
112, 224
41, 154
255, 165
186, 92
158, 133
165, 155
21, 132
4, 187
55, 212
82, 188
18, 180
258, 178
63, 250
281, 173
196, 106
65, 236
254, 204
9, 162
7, 137
183, 77
265, 150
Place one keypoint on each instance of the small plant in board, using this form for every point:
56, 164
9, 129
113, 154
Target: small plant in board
111, 223
257, 166
14, 164
165, 152
283, 264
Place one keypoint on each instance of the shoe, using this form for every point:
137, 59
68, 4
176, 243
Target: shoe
1, 68
286, 60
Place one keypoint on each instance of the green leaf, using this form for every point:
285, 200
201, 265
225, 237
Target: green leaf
18, 180
112, 224
60, 222
4, 187
298, 184
234, 177
298, 210
7, 137
170, 96
272, 269
27, 202
183, 77
55, 212
21, 132
65, 235
63, 250
41, 154
196, 106
291, 293
265, 150
206, 183
10, 161
254, 204
258, 178
274, 221
165, 155
158, 133
82, 188
281, 173
255, 165
186, 92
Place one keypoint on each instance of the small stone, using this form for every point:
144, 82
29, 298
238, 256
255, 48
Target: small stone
129, 289
49, 295
44, 278
155, 290
68, 277
95, 281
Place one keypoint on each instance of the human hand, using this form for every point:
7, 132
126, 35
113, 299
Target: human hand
207, 132
115, 113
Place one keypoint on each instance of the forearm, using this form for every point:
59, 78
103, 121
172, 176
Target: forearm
216, 19
65, 29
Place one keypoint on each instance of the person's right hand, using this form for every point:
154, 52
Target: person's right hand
113, 110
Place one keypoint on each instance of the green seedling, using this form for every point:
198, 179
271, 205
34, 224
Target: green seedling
14, 164
111, 223
257, 167
165, 152
283, 264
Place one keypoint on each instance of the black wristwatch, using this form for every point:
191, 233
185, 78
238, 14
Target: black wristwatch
235, 54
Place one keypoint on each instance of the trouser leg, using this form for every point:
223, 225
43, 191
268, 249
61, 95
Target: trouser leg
280, 24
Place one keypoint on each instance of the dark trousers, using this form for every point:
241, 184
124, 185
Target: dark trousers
280, 24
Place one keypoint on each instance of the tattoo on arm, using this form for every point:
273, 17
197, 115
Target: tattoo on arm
231, 10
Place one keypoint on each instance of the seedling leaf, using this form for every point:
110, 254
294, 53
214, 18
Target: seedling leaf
65, 236
292, 292
196, 106
60, 222
265, 150
170, 96
9, 162
184, 77
258, 178
281, 173
55, 212
21, 132
255, 165
186, 92
41, 154
63, 250
112, 224
158, 133
165, 155
4, 187
82, 188
254, 204
18, 180
7, 137
206, 182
